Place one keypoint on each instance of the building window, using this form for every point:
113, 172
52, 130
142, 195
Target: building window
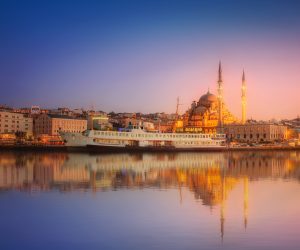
251, 136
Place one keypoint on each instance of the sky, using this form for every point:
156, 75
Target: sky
139, 56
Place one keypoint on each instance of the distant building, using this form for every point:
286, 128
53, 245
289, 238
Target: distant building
35, 110
127, 121
51, 124
61, 111
98, 121
148, 126
256, 132
78, 112
11, 122
164, 126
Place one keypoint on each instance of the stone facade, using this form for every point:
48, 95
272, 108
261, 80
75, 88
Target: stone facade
264, 132
47, 124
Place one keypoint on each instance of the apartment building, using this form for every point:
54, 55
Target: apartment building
12, 122
51, 124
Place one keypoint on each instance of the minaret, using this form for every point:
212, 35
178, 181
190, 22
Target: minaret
220, 96
244, 98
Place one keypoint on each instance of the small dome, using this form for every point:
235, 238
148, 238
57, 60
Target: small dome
200, 110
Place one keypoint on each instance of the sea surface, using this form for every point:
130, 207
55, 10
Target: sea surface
231, 200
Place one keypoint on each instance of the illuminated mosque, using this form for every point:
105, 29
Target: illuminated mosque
210, 113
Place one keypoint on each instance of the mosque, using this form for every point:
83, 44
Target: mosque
210, 113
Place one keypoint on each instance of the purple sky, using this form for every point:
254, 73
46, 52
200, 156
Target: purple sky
140, 55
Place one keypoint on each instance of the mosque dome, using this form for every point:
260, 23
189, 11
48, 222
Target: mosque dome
208, 99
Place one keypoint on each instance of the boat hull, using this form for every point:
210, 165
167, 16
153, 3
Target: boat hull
101, 148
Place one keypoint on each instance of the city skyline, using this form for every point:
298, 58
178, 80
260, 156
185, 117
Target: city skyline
125, 56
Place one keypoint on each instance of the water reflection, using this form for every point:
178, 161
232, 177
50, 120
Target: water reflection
209, 177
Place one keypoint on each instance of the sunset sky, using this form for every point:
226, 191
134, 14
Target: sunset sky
138, 56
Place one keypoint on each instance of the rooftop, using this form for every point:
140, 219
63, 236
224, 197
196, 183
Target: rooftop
64, 117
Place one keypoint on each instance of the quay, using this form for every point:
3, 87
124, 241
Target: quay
63, 148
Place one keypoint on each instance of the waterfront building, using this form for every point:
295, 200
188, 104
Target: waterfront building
209, 114
256, 132
293, 128
51, 124
12, 122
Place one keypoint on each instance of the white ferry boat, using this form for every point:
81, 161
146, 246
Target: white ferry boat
135, 139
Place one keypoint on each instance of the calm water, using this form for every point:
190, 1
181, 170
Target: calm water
248, 200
